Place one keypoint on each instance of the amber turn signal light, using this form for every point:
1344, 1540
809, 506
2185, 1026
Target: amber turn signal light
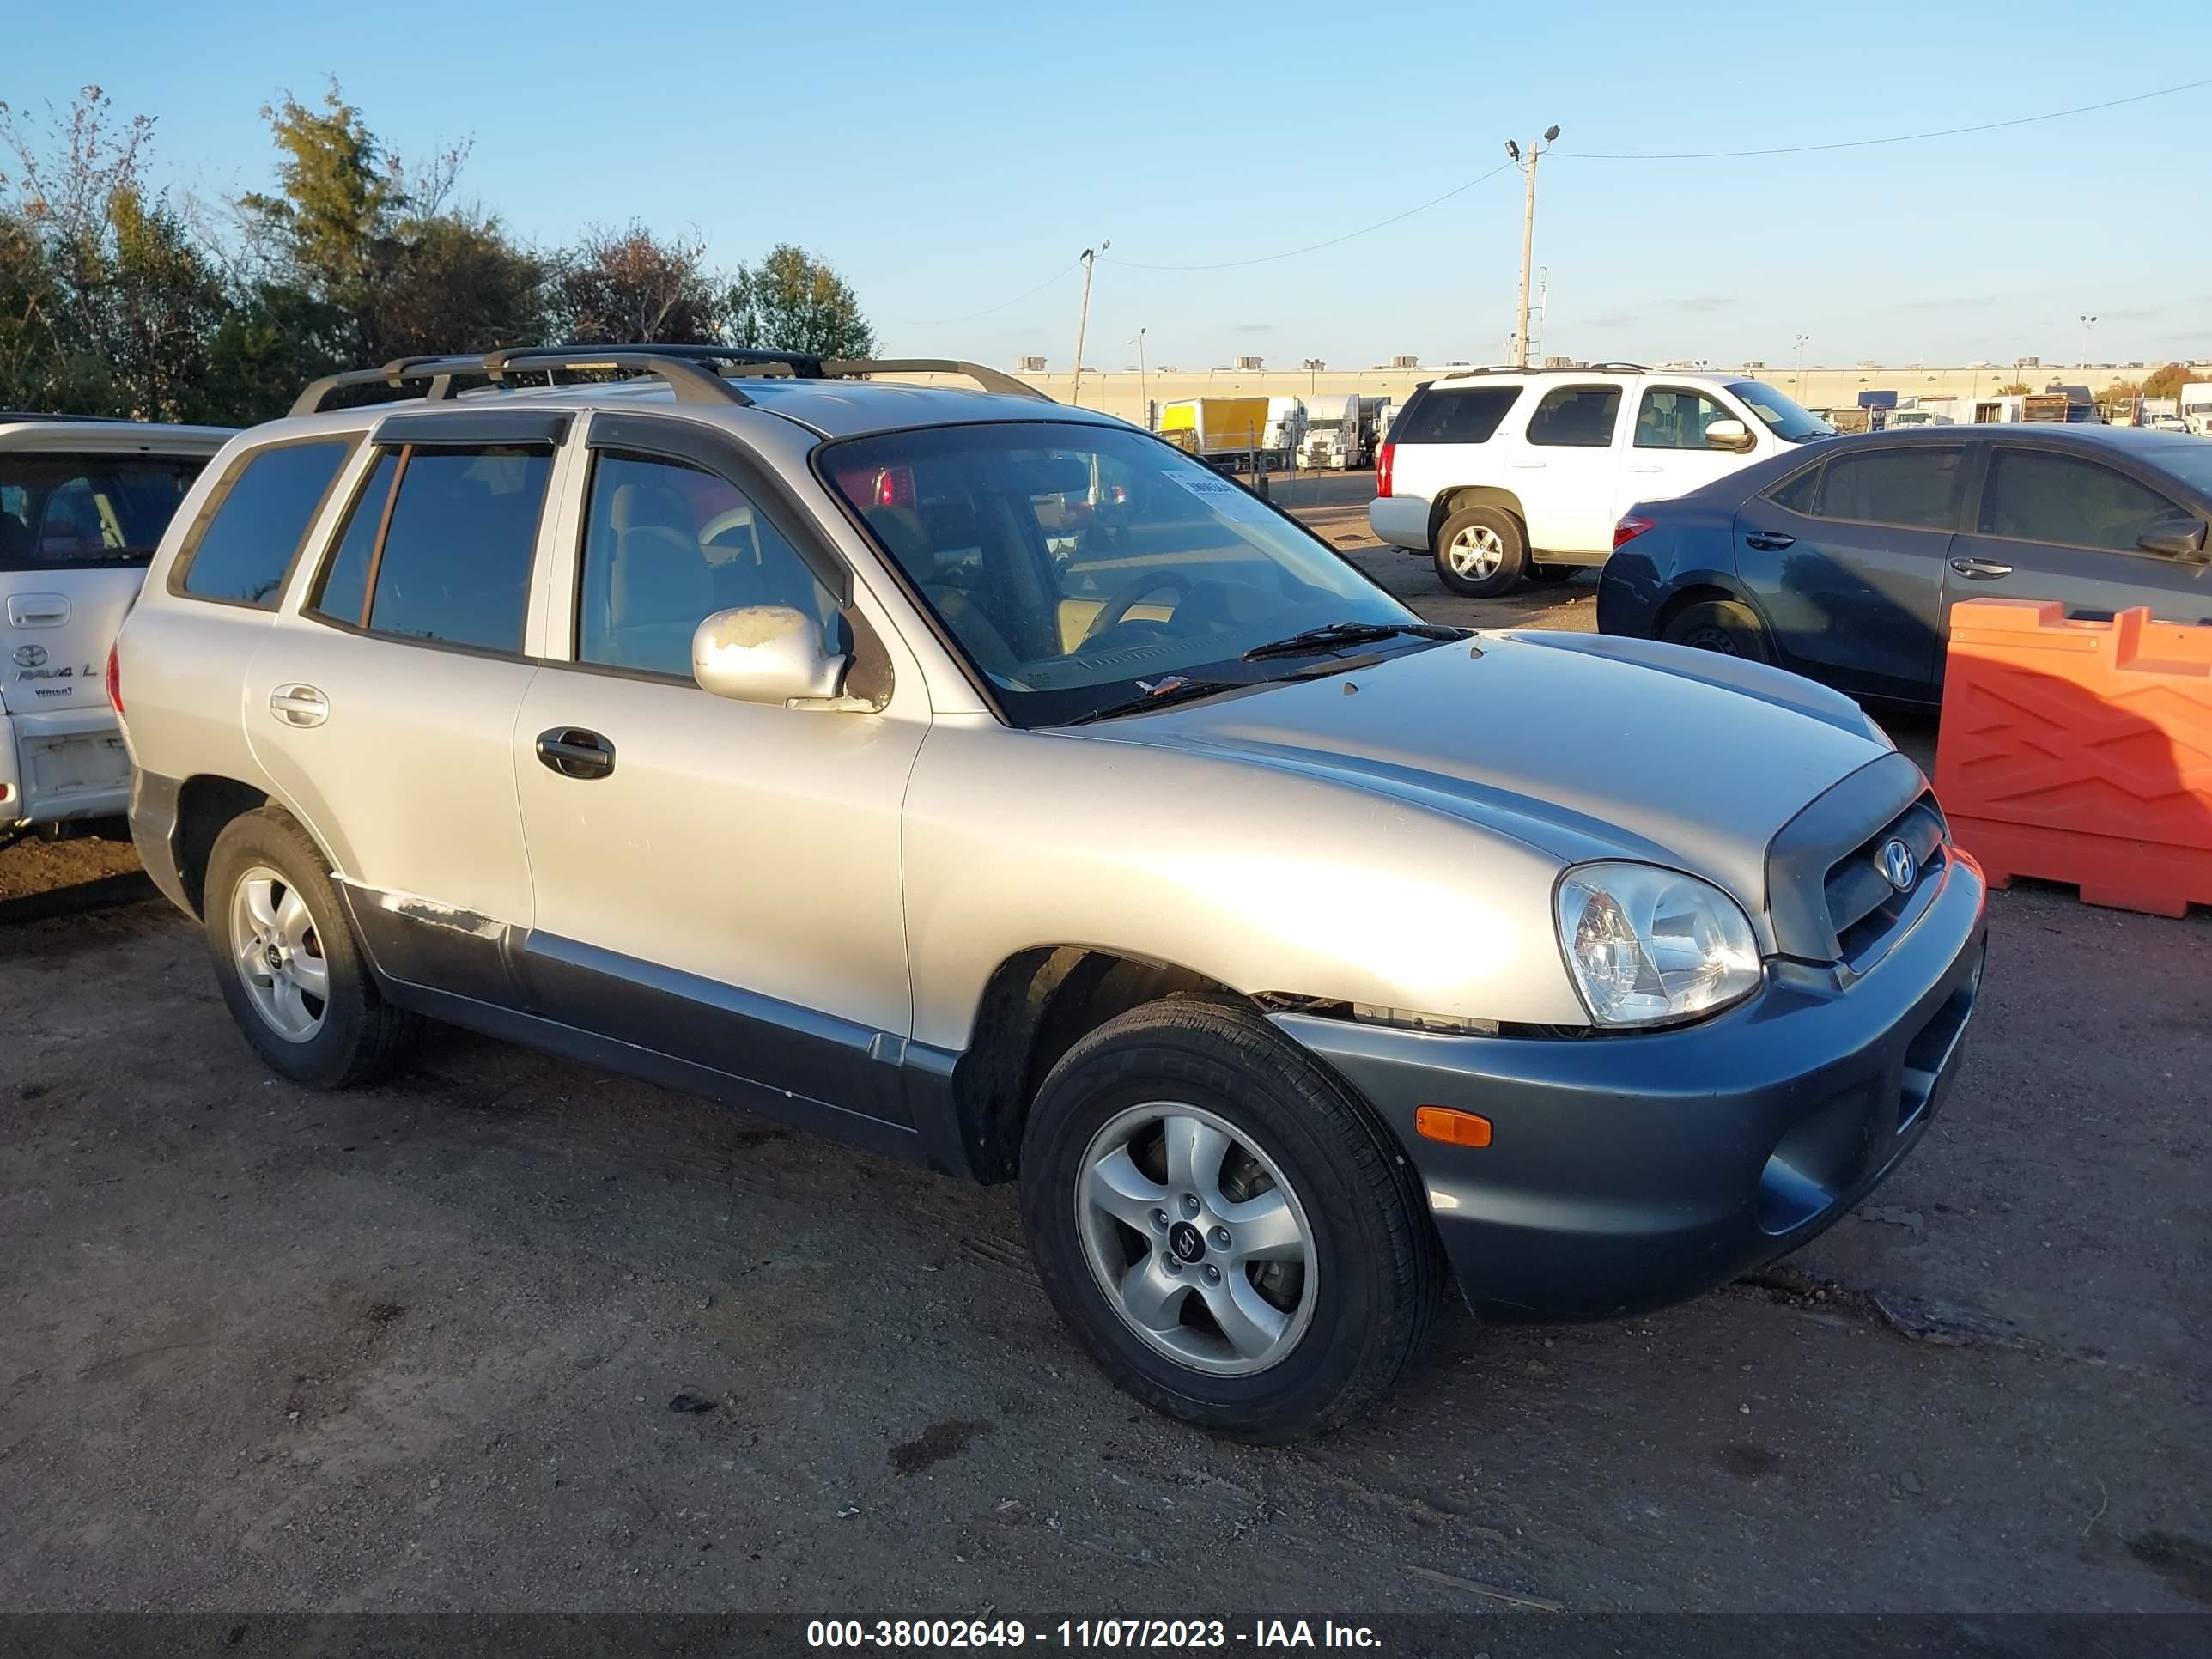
1455, 1128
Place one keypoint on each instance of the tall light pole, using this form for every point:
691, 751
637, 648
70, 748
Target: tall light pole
1083, 319
1527, 165
1144, 402
2088, 322
1803, 340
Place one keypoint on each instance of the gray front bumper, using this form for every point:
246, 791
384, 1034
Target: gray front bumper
1627, 1172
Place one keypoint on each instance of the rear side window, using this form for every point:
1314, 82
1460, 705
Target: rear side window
1916, 488
1576, 416
1454, 415
2036, 496
244, 548
438, 546
66, 512
1798, 491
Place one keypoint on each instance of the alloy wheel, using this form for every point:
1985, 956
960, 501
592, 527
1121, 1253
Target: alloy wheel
280, 956
1195, 1238
1476, 553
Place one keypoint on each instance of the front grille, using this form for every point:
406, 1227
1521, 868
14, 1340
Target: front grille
1863, 903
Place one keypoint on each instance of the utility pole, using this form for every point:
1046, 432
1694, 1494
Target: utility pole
1143, 402
1527, 165
1083, 321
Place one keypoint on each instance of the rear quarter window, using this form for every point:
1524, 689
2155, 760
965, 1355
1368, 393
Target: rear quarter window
1455, 415
242, 547
66, 512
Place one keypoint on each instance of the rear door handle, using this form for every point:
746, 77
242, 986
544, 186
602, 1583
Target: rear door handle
576, 753
38, 609
298, 705
1646, 469
1981, 570
1529, 467
1768, 540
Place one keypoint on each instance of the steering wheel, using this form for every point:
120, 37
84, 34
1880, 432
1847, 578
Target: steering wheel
722, 523
1124, 598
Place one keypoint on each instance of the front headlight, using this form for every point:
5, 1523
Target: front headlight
1647, 945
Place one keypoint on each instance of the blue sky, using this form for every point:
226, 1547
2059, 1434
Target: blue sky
947, 158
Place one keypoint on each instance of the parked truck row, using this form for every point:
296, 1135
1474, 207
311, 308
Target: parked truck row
1330, 432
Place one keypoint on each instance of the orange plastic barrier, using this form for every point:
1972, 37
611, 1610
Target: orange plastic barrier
2080, 751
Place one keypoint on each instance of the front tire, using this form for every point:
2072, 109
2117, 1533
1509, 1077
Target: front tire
1225, 1229
1722, 626
1480, 552
287, 961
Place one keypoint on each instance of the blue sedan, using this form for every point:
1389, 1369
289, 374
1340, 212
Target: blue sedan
1842, 561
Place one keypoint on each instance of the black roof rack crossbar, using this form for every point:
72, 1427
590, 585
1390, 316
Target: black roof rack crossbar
10, 417
990, 379
680, 366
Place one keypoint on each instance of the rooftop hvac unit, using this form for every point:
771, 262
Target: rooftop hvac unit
1250, 363
1405, 362
1029, 365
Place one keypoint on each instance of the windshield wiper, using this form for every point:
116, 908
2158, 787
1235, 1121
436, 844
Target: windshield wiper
1331, 634
1160, 695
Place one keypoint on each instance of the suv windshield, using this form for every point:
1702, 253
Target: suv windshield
1078, 567
1789, 421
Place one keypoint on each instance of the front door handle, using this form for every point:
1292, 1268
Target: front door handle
576, 753
1980, 570
1768, 540
1646, 469
298, 705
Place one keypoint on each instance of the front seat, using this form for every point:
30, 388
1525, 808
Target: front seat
659, 588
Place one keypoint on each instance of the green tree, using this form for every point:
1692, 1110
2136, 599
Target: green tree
2016, 389
630, 288
107, 303
352, 227
792, 301
2167, 382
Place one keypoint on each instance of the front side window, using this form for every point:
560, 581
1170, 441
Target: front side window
1783, 416
246, 548
438, 546
1076, 566
1676, 417
1917, 487
1576, 416
2037, 496
666, 546
71, 511
1455, 415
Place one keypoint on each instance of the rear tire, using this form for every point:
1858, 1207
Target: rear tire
287, 961
1480, 552
1186, 1157
1720, 625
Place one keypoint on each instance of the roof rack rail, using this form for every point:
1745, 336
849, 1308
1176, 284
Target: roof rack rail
9, 417
697, 374
990, 379
1620, 368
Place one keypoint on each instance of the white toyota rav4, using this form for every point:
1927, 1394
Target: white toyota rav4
1503, 473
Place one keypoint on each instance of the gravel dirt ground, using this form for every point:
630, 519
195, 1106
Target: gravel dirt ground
422, 1346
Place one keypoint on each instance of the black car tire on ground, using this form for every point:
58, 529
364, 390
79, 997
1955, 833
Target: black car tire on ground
1721, 625
1508, 551
1372, 1270
360, 1034
1549, 576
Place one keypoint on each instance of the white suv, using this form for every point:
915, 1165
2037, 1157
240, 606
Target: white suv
82, 503
1502, 473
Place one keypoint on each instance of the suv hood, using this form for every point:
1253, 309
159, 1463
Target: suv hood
1581, 745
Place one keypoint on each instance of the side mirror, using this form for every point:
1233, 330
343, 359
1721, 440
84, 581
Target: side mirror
769, 654
2177, 538
1730, 434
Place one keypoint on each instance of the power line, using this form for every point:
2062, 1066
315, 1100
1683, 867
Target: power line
944, 321
1314, 247
1867, 143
